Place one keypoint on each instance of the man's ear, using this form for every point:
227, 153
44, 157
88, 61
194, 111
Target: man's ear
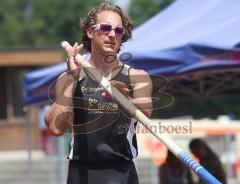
90, 33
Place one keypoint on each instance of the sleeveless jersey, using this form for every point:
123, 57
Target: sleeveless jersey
101, 130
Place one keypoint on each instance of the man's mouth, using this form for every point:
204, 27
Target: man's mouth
110, 43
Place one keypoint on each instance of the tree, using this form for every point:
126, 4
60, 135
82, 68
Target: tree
141, 10
45, 23
42, 23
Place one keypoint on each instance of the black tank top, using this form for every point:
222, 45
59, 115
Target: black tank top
102, 130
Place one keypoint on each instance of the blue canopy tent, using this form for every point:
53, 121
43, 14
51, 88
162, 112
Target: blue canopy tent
37, 83
186, 37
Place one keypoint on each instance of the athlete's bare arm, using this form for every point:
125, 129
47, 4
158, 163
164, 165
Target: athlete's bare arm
60, 114
142, 91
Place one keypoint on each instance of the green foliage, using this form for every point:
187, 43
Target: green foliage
41, 22
141, 10
45, 23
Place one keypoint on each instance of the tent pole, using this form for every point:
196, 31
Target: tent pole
61, 160
29, 146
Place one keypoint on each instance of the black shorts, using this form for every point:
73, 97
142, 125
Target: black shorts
114, 172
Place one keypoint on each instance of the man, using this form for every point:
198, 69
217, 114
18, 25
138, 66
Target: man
103, 135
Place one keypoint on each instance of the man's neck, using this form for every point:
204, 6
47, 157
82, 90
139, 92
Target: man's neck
104, 64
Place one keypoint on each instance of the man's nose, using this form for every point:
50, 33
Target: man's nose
112, 33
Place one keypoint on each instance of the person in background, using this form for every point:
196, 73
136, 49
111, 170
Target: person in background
47, 144
208, 159
173, 171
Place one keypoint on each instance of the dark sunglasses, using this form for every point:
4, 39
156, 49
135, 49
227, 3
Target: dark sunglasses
106, 28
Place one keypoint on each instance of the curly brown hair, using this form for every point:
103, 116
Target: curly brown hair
91, 19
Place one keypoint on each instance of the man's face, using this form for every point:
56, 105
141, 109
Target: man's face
106, 42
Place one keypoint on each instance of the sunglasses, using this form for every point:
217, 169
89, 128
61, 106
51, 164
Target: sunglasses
106, 28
